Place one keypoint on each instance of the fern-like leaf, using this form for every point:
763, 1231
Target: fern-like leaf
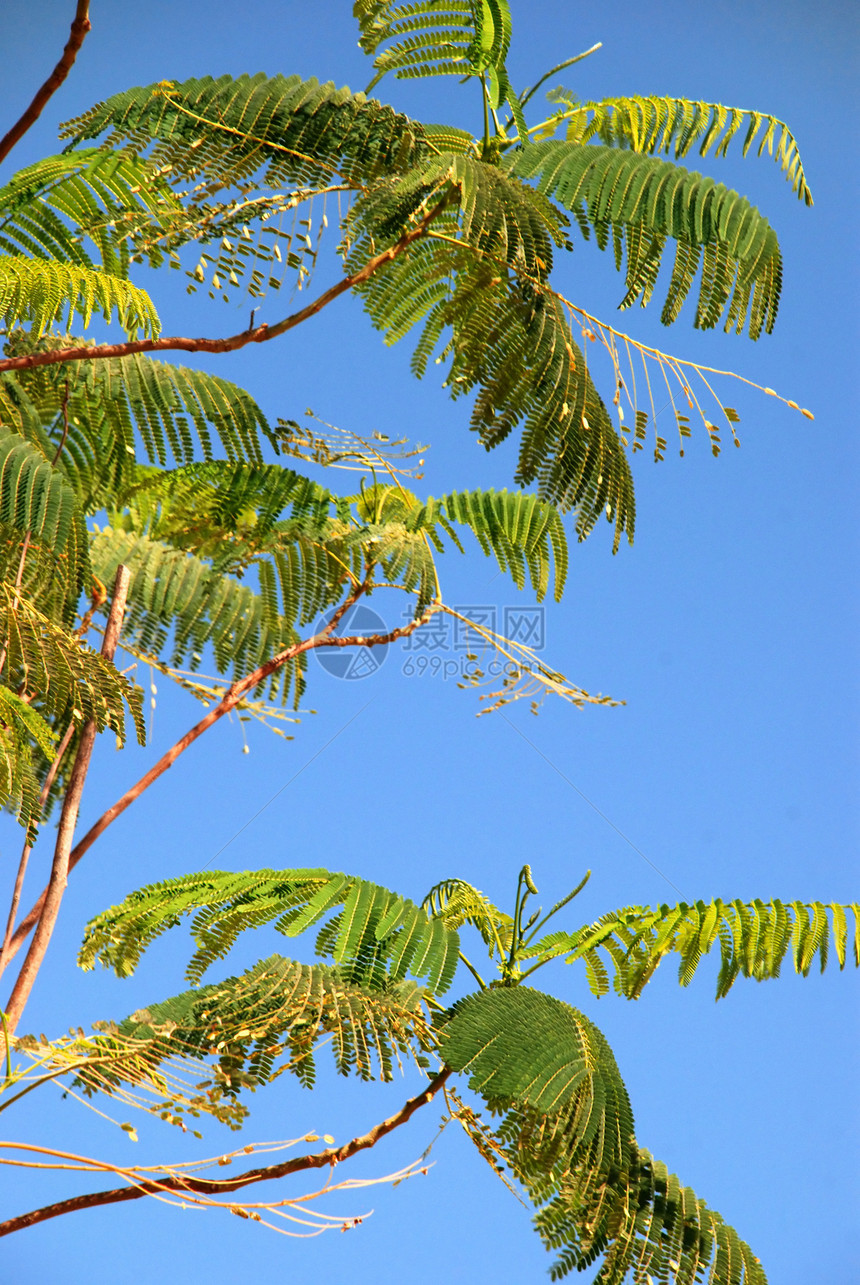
223, 131
658, 1231
269, 1020
67, 679
457, 902
240, 515
39, 294
441, 38
523, 532
549, 1071
96, 416
164, 402
482, 302
175, 595
42, 533
652, 124
753, 938
642, 201
51, 209
278, 1011
376, 935
423, 39
22, 727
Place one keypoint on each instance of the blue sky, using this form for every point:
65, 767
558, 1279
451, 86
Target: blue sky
729, 629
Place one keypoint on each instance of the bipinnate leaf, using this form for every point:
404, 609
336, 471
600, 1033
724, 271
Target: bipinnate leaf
546, 1064
753, 938
372, 933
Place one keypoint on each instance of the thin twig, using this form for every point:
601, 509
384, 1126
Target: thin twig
224, 706
80, 26
28, 847
259, 335
553, 71
68, 818
97, 600
64, 408
184, 1182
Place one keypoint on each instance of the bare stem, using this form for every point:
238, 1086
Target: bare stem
55, 890
184, 1182
80, 26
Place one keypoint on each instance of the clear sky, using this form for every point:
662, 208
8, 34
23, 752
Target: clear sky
729, 630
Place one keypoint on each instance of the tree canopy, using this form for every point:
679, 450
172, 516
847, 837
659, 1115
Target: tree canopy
161, 506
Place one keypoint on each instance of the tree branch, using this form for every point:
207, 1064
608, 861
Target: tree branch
53, 894
224, 706
258, 335
80, 26
214, 1187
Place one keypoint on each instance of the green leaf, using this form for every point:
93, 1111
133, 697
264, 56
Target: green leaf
174, 595
302, 131
646, 201
68, 680
656, 124
657, 1231
39, 294
22, 728
376, 935
279, 1009
50, 209
753, 938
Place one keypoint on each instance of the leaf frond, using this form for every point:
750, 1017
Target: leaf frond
653, 1230
39, 507
97, 418
476, 283
278, 1011
40, 294
376, 934
652, 124
550, 1074
22, 728
51, 209
753, 939
223, 132
647, 201
176, 596
201, 1051
456, 902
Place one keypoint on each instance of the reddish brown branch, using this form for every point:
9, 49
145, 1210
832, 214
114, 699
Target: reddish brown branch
216, 1187
224, 706
258, 335
80, 26
56, 888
